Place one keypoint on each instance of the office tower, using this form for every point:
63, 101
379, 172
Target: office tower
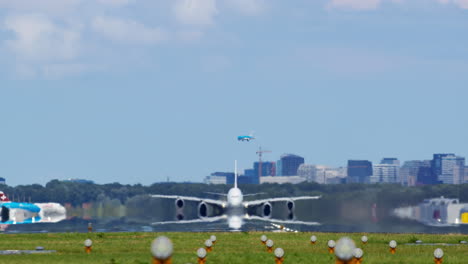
448, 168
466, 175
453, 170
268, 168
416, 172
290, 163
359, 171
391, 161
385, 173
279, 168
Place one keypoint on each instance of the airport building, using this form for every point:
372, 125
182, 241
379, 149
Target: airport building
322, 174
359, 171
307, 171
2, 181
290, 163
220, 178
213, 179
282, 179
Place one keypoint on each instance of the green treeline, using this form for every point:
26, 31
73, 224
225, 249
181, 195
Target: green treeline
389, 195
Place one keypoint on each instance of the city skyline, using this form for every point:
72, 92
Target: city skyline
139, 91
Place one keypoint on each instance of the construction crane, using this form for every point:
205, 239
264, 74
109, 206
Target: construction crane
260, 153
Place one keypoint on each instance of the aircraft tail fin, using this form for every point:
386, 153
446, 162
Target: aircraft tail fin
3, 197
235, 174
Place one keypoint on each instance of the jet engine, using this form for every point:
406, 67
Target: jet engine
209, 210
267, 210
179, 204
290, 205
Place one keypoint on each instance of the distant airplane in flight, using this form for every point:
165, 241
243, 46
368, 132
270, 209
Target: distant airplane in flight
13, 213
235, 209
245, 138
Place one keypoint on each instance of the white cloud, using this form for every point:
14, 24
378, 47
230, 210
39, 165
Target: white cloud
355, 4
460, 3
196, 12
114, 2
248, 7
38, 38
127, 31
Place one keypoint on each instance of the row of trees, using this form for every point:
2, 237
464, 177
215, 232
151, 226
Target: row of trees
383, 194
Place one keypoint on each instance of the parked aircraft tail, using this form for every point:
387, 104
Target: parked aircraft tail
3, 197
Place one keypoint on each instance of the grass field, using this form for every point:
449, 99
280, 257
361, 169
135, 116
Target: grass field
241, 247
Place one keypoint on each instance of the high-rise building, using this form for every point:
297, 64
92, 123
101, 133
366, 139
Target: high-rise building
385, 173
359, 171
268, 168
250, 176
290, 163
2, 181
466, 175
416, 172
279, 168
453, 170
391, 161
436, 166
448, 168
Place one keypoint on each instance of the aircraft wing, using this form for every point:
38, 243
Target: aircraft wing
290, 222
220, 194
253, 194
282, 199
189, 198
200, 220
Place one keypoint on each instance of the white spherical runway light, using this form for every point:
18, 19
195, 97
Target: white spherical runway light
88, 243
279, 252
162, 248
393, 244
331, 246
269, 243
208, 243
344, 249
364, 239
213, 238
313, 239
201, 253
358, 253
438, 253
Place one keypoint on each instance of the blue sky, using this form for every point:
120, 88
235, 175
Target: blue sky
136, 91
